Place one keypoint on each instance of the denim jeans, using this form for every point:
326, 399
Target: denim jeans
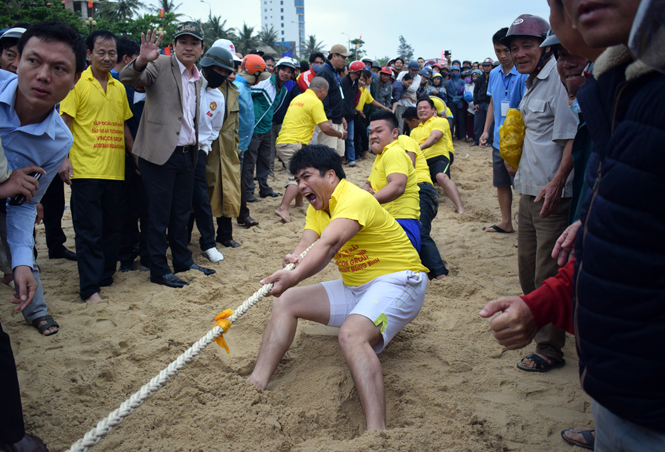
429, 253
350, 152
615, 434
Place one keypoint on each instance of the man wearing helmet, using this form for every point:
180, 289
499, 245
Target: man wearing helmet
544, 176
217, 65
267, 97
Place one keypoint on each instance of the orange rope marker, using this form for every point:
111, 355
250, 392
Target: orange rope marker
221, 320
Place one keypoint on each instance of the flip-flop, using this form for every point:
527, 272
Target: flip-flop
587, 434
541, 364
49, 323
497, 229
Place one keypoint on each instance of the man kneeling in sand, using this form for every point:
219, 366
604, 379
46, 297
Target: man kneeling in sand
382, 287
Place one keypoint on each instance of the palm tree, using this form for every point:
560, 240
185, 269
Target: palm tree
311, 46
268, 36
168, 6
214, 29
120, 11
246, 40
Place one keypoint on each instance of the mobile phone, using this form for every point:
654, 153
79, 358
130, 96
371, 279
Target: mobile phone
20, 198
446, 53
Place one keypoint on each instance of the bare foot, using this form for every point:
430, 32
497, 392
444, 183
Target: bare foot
440, 277
283, 214
47, 331
94, 298
255, 383
461, 210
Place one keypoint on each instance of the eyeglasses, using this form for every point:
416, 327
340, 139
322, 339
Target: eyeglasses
339, 54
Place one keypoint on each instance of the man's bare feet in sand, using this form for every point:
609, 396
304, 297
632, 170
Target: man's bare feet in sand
94, 298
283, 214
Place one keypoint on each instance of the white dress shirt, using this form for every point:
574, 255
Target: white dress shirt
188, 129
212, 115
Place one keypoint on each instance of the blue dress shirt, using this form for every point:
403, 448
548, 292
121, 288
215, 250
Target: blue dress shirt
502, 87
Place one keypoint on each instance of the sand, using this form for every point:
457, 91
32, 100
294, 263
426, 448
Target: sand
449, 385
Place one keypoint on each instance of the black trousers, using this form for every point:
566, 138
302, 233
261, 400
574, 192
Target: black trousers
202, 212
244, 210
257, 156
54, 207
224, 229
169, 188
96, 211
12, 428
134, 215
459, 115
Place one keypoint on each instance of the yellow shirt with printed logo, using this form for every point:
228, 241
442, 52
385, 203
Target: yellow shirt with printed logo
98, 127
422, 170
442, 147
380, 247
394, 160
305, 111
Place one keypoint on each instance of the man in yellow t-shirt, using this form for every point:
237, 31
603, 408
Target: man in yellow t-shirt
96, 111
435, 140
429, 206
382, 287
393, 180
304, 113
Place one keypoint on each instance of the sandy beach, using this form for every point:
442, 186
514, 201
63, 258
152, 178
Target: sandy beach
449, 385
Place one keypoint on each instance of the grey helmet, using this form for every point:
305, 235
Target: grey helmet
218, 56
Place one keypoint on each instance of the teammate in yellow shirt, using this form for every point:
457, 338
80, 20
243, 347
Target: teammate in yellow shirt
429, 206
382, 287
393, 180
435, 140
304, 113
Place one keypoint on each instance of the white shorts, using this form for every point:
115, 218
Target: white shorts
336, 143
391, 301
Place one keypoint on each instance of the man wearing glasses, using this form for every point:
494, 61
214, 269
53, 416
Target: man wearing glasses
332, 103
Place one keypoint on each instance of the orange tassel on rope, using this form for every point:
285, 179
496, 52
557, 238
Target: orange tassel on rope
222, 322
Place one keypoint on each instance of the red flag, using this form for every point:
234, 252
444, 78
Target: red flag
167, 50
361, 37
161, 12
89, 3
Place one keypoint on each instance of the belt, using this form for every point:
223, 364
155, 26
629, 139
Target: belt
184, 149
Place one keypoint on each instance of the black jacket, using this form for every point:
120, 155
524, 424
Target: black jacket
332, 104
349, 88
480, 96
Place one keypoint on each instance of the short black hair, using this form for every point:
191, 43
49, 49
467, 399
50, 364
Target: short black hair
425, 99
314, 55
499, 35
55, 30
367, 74
410, 113
407, 77
104, 35
127, 47
304, 66
268, 57
399, 58
383, 115
7, 43
318, 156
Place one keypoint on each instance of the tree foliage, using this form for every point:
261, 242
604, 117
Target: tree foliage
246, 39
35, 11
268, 36
214, 29
168, 6
404, 51
311, 46
356, 49
120, 10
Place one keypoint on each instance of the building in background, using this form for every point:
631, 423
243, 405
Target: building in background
287, 17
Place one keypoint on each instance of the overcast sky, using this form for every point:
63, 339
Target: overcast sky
465, 27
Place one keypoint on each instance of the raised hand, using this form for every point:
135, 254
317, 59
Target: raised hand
150, 43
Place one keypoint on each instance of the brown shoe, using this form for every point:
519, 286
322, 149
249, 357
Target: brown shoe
247, 221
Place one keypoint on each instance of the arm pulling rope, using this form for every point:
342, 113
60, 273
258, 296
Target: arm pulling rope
136, 400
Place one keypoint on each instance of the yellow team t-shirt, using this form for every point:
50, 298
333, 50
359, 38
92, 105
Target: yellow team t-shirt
380, 247
393, 160
365, 98
305, 111
422, 169
442, 147
441, 106
98, 127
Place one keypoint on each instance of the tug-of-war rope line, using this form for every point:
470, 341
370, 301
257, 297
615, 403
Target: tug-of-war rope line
224, 319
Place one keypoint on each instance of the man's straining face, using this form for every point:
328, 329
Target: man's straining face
381, 134
425, 110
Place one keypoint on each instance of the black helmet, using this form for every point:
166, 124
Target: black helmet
218, 56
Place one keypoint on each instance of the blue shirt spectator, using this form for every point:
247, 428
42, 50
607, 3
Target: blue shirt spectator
502, 87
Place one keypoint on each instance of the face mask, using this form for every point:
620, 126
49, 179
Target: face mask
468, 79
454, 75
215, 79
576, 108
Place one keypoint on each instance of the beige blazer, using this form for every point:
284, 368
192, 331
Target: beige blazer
161, 121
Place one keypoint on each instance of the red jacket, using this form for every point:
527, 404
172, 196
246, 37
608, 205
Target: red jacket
553, 301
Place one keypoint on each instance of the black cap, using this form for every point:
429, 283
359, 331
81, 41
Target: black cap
189, 28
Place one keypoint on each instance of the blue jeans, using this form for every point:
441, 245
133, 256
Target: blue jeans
350, 152
615, 434
429, 253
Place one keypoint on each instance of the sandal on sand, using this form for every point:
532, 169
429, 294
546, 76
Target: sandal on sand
587, 434
497, 229
49, 323
541, 364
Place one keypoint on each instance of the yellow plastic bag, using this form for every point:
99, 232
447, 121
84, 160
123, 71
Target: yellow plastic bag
512, 138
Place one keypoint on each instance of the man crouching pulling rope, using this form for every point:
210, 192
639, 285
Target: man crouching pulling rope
382, 287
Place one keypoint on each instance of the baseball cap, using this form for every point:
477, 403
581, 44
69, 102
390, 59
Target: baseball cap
189, 28
339, 48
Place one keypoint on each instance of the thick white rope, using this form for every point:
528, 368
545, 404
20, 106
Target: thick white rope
136, 400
